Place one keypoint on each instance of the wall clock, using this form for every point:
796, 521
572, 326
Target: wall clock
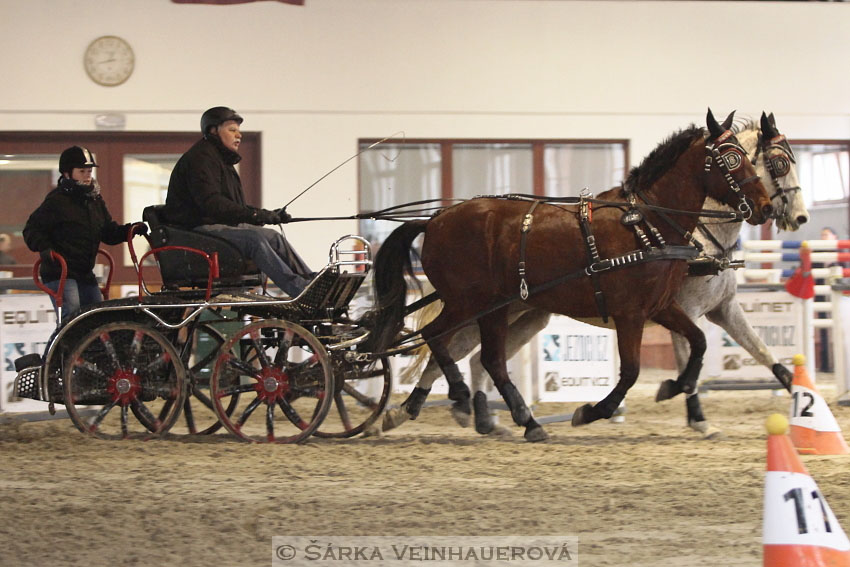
109, 60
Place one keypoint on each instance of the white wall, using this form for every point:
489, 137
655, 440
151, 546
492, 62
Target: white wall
314, 79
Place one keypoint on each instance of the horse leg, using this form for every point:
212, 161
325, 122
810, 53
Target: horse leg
676, 320
463, 342
520, 331
730, 317
494, 328
696, 419
629, 335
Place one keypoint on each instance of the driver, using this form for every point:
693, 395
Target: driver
205, 194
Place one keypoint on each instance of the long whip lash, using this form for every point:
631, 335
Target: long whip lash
391, 136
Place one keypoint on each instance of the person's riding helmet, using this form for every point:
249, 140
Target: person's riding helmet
216, 116
75, 156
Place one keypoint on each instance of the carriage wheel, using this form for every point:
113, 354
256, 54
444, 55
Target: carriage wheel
198, 409
283, 376
361, 394
125, 368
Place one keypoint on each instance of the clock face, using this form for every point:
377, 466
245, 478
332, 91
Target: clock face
109, 60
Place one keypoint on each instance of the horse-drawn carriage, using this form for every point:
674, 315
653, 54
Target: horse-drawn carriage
271, 369
209, 348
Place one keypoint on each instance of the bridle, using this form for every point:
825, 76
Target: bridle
778, 166
729, 155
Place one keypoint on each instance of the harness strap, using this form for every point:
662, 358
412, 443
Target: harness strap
585, 216
523, 239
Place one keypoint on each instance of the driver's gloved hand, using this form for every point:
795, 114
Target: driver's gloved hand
284, 216
264, 216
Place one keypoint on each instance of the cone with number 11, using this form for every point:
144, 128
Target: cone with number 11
799, 528
814, 430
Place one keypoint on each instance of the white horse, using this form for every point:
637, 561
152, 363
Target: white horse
709, 295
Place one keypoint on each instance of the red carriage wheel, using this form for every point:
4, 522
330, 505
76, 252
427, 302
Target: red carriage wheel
123, 369
283, 377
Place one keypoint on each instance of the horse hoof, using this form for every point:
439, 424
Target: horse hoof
668, 389
582, 415
373, 430
461, 417
393, 418
500, 431
484, 425
535, 433
707, 430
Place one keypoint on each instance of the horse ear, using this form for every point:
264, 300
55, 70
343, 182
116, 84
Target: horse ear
713, 127
768, 128
727, 124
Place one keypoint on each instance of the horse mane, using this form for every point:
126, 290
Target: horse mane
745, 125
662, 158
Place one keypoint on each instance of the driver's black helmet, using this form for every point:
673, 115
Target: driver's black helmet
75, 156
217, 116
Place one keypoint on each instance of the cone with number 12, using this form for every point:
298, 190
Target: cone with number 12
799, 528
814, 430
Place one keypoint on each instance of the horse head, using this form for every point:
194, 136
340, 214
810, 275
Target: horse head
774, 159
734, 180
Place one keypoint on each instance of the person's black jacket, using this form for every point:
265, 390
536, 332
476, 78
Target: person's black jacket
72, 224
205, 188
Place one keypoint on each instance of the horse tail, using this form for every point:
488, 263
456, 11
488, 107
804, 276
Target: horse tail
392, 262
419, 356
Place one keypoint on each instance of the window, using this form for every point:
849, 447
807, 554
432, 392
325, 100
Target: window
394, 174
824, 172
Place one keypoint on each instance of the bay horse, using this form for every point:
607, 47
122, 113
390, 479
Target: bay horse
711, 295
581, 261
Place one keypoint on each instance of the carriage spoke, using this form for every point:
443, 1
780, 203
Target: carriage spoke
90, 368
243, 367
204, 399
291, 414
360, 397
235, 389
261, 353
142, 410
189, 414
281, 357
246, 413
106, 341
343, 411
95, 422
135, 348
124, 430
270, 423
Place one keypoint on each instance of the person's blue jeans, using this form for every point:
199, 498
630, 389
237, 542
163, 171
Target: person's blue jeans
270, 252
74, 296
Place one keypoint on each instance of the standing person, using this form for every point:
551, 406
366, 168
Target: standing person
5, 246
205, 194
72, 221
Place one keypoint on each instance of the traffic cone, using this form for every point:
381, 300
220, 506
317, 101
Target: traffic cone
799, 528
814, 430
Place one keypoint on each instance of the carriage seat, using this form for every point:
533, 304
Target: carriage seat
185, 269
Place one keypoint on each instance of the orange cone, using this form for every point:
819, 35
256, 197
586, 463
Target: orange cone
799, 528
814, 430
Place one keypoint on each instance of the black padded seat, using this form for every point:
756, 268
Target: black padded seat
180, 268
